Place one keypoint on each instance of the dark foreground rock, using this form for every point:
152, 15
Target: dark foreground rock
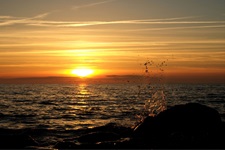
189, 126
182, 127
105, 137
15, 140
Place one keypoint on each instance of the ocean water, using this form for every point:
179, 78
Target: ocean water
70, 107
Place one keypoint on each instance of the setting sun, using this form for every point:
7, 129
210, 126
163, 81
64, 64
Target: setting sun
82, 72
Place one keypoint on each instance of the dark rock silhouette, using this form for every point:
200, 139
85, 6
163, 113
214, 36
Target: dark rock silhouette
15, 140
188, 126
98, 137
103, 137
183, 126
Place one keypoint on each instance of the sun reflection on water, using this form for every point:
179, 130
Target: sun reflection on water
82, 91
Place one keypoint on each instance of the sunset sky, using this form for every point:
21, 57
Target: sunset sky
41, 38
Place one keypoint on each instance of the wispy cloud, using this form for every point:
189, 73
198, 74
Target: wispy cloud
10, 20
15, 20
38, 21
94, 23
198, 24
6, 17
176, 28
92, 4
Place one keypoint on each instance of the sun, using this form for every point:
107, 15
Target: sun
82, 72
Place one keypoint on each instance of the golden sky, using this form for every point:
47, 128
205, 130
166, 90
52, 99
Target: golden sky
113, 37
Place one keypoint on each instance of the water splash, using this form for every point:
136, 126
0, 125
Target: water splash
156, 104
154, 87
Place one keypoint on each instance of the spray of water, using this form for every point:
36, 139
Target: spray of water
154, 75
156, 103
153, 88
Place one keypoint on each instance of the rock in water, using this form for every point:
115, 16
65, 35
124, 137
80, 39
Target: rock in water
183, 126
16, 141
98, 137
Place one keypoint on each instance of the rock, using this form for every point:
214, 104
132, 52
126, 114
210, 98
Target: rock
98, 137
103, 137
183, 126
65, 145
16, 141
115, 128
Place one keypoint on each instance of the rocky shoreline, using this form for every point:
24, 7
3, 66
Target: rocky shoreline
185, 126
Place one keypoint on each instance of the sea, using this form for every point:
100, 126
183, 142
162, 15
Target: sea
61, 108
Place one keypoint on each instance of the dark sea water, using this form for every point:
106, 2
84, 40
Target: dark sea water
62, 109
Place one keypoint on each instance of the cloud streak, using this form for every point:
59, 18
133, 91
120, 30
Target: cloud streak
39, 22
141, 22
92, 4
16, 20
176, 28
36, 21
